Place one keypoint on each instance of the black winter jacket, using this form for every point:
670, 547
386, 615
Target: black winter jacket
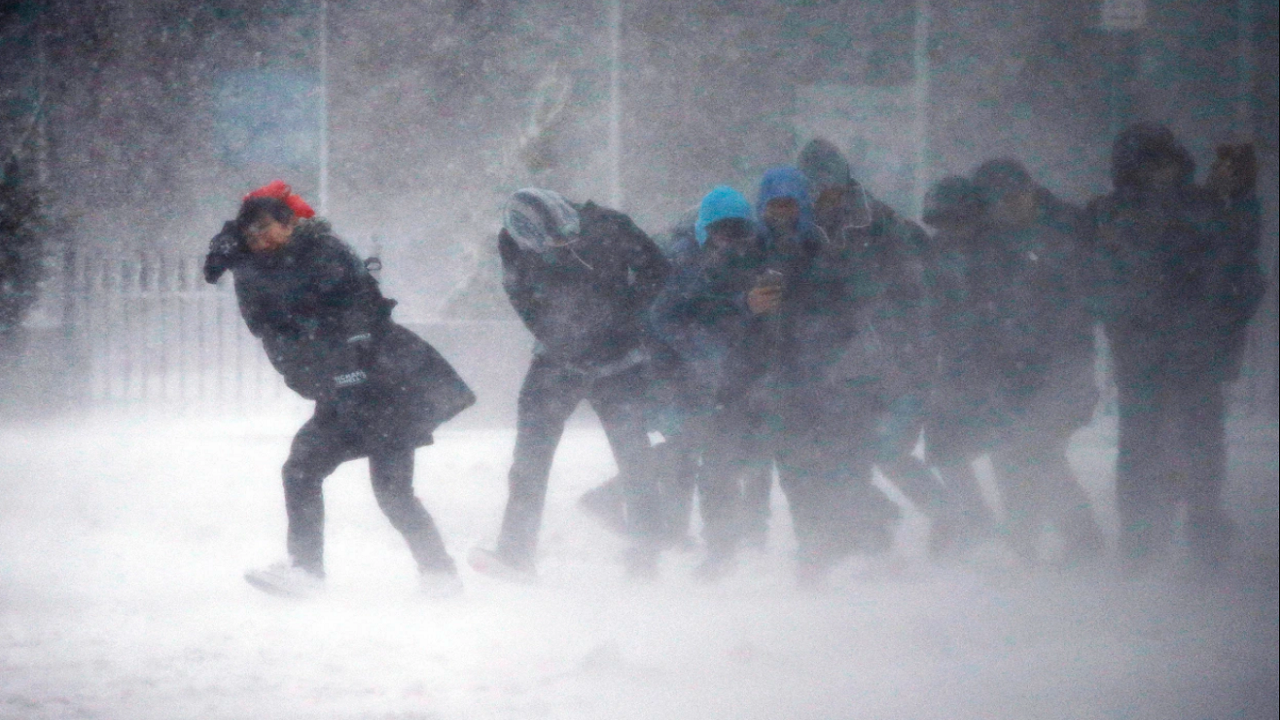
585, 303
327, 329
883, 290
1178, 277
701, 314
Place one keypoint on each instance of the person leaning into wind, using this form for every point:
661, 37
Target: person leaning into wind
581, 278
379, 389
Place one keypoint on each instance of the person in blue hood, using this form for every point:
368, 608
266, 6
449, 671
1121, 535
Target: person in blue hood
822, 469
784, 206
711, 316
702, 239
784, 209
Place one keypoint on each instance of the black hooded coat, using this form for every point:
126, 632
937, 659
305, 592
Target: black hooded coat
586, 303
1176, 269
327, 329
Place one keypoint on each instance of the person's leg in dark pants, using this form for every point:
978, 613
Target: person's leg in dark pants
1199, 437
815, 486
683, 463
314, 455
1020, 490
1146, 483
967, 519
549, 395
729, 455
897, 432
618, 402
392, 476
957, 433
1040, 487
757, 491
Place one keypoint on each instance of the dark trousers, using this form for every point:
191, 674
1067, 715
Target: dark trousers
317, 451
1172, 451
825, 459
548, 397
1038, 486
896, 432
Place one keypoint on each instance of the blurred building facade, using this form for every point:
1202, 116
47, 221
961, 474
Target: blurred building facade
147, 119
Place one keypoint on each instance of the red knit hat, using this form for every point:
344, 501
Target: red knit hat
279, 190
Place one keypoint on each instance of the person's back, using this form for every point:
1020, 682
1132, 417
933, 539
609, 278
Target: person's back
585, 301
581, 278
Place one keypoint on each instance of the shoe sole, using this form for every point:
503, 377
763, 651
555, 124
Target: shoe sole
272, 588
487, 563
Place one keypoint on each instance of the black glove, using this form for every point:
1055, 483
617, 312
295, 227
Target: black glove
352, 361
225, 250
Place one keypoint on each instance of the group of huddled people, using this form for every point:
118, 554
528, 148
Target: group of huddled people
817, 336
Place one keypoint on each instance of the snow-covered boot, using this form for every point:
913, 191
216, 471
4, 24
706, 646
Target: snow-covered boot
285, 579
439, 584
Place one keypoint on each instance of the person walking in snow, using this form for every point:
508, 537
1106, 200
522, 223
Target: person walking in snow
581, 277
673, 409
813, 433
1044, 360
380, 391
964, 413
884, 373
704, 316
1176, 265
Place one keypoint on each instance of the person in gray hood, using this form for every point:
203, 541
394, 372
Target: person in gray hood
581, 277
885, 372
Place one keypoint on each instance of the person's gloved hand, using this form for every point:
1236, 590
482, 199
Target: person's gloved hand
225, 250
348, 382
352, 361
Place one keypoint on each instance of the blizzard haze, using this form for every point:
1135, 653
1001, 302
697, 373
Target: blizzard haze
142, 431
124, 540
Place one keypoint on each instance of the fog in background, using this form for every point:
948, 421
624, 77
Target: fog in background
152, 117
407, 122
143, 431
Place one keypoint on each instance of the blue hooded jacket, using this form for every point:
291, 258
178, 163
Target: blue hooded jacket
787, 182
701, 314
722, 203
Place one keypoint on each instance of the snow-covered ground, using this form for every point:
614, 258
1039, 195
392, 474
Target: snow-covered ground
123, 541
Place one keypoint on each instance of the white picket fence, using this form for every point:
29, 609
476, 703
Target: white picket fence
149, 329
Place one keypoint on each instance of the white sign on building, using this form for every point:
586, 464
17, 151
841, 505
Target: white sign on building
1121, 15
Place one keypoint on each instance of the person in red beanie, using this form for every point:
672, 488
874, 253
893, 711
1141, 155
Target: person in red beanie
380, 390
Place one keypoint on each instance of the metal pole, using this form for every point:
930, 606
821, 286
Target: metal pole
615, 103
324, 108
42, 85
920, 62
1248, 67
